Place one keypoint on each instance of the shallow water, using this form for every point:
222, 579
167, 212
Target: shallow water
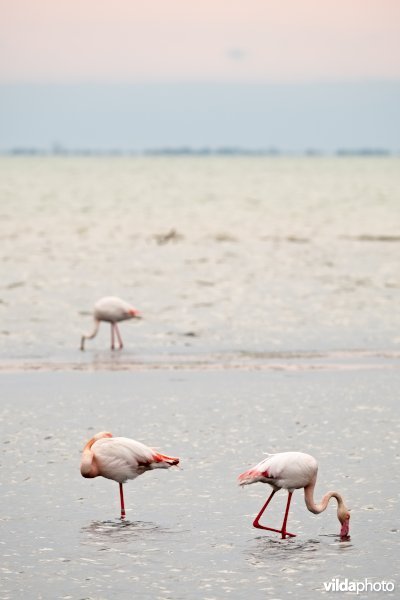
188, 532
269, 290
237, 255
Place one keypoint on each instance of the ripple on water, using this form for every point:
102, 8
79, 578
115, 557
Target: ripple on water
269, 549
116, 531
292, 555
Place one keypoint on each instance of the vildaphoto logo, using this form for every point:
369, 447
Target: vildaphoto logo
359, 587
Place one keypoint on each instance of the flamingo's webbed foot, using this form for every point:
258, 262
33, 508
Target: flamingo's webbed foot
284, 534
287, 534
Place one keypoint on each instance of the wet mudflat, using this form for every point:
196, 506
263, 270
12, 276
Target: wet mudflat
188, 532
301, 254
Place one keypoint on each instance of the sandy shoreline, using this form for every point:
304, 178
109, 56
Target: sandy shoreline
243, 361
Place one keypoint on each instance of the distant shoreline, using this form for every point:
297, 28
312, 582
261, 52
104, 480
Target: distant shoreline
188, 151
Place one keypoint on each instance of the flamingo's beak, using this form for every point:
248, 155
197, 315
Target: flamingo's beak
344, 531
135, 314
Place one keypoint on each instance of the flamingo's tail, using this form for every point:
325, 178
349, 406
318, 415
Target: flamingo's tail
165, 461
251, 476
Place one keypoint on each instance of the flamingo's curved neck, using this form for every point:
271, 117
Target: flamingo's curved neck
90, 336
319, 508
88, 464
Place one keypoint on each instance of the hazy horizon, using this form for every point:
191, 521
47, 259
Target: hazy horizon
289, 117
213, 40
136, 76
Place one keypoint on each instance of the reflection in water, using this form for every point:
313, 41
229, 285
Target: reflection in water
116, 531
292, 555
269, 549
342, 543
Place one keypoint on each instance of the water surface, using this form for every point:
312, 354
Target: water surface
188, 532
269, 289
220, 254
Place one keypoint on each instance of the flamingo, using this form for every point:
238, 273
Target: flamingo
112, 310
119, 459
291, 471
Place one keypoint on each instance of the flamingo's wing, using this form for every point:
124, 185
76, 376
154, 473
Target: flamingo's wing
288, 470
121, 458
263, 471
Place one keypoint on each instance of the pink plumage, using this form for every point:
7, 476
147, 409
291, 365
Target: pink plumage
111, 310
292, 471
120, 459
286, 470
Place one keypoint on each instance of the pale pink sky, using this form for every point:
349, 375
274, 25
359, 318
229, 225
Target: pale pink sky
69, 41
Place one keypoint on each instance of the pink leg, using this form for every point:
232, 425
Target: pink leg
118, 336
284, 532
121, 496
112, 336
256, 520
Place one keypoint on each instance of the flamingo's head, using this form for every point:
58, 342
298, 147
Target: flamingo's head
134, 314
344, 518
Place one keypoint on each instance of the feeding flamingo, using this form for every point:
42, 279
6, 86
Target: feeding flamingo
291, 471
120, 458
112, 310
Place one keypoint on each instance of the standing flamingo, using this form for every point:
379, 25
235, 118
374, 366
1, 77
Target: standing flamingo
112, 310
120, 458
291, 471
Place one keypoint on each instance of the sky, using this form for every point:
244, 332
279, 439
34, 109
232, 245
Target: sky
103, 53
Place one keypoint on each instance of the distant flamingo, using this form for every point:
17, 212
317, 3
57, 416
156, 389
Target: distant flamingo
120, 458
291, 471
112, 310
